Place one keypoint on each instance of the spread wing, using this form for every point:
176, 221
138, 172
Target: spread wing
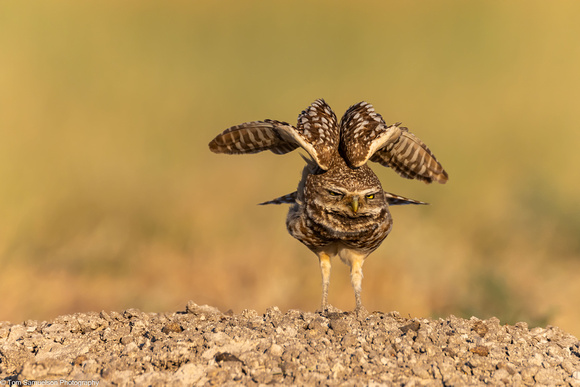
256, 136
365, 136
317, 133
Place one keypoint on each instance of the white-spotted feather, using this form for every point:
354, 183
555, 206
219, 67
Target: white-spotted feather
365, 136
317, 126
316, 132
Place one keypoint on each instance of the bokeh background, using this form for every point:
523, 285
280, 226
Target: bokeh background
110, 198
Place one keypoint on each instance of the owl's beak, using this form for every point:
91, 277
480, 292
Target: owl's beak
354, 204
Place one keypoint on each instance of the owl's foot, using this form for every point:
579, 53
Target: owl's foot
328, 310
361, 312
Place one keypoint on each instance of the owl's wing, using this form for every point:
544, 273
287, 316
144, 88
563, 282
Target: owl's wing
256, 136
365, 136
317, 133
392, 199
397, 200
286, 199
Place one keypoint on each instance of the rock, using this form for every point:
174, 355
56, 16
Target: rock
203, 346
203, 310
46, 369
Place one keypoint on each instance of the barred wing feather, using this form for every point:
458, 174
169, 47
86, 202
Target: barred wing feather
365, 136
316, 133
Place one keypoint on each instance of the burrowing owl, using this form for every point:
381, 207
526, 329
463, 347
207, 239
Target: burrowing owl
340, 208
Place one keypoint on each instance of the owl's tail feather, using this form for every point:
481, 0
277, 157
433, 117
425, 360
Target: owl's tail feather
392, 199
396, 200
286, 199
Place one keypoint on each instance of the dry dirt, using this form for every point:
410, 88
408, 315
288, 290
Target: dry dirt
202, 346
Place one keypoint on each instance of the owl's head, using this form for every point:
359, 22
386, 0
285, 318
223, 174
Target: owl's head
346, 194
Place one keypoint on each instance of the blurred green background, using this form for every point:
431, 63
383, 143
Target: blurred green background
110, 198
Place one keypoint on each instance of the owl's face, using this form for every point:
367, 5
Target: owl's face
348, 202
344, 197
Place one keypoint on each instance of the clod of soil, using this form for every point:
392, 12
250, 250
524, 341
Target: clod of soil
203, 346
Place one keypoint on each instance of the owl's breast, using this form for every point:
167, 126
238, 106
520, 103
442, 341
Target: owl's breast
316, 228
363, 232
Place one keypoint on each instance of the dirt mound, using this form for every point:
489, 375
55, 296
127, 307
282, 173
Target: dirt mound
204, 346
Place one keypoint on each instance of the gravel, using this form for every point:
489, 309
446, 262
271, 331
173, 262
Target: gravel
203, 346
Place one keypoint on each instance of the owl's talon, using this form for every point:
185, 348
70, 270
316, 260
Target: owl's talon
328, 310
361, 312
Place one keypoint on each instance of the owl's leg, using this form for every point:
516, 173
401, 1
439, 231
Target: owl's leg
356, 276
355, 259
324, 260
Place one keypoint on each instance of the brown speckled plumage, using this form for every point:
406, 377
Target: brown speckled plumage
339, 208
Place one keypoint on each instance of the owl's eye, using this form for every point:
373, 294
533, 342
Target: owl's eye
370, 196
334, 193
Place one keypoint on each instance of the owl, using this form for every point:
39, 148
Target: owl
340, 208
